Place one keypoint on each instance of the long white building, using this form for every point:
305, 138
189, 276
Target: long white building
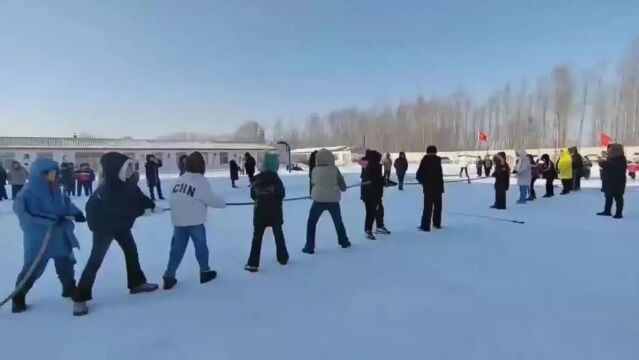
86, 150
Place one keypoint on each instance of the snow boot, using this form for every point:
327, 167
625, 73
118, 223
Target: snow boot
382, 231
423, 229
169, 282
604, 213
80, 308
252, 269
345, 244
144, 288
618, 216
207, 276
18, 304
308, 251
370, 236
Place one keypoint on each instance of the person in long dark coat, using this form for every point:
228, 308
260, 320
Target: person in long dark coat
401, 167
152, 168
488, 166
549, 173
234, 170
67, 178
3, 182
577, 168
249, 166
614, 170
372, 193
431, 176
502, 180
479, 164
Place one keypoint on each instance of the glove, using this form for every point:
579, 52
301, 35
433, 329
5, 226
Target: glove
80, 218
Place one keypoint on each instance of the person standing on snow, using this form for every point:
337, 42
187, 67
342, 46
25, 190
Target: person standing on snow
249, 165
524, 176
502, 180
17, 177
479, 164
549, 173
372, 193
152, 169
86, 177
268, 193
387, 163
401, 167
3, 182
488, 165
614, 186
463, 167
327, 187
577, 168
40, 206
534, 173
67, 178
565, 171
431, 176
234, 172
111, 214
191, 197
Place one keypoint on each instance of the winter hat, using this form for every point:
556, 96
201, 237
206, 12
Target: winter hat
195, 163
432, 149
615, 150
271, 163
545, 157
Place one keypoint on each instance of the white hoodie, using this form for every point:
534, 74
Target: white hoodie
190, 197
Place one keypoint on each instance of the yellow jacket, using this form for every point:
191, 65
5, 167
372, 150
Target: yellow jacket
565, 165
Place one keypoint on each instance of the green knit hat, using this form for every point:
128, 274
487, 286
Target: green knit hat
271, 162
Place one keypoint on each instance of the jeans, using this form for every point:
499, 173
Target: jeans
256, 245
64, 267
101, 243
523, 194
15, 189
317, 209
374, 214
179, 242
432, 210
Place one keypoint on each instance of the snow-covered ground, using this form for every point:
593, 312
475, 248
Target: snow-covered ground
565, 285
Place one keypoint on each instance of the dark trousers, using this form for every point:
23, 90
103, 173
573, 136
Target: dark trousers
374, 214
532, 194
461, 171
618, 198
15, 189
550, 188
3, 193
400, 180
317, 209
63, 267
101, 243
256, 245
479, 171
87, 187
387, 174
500, 198
488, 169
69, 189
567, 185
251, 175
576, 183
432, 210
233, 183
157, 186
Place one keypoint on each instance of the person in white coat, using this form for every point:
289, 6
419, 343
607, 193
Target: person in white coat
464, 162
190, 197
524, 175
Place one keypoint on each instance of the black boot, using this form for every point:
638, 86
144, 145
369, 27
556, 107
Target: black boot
604, 213
18, 304
207, 276
169, 282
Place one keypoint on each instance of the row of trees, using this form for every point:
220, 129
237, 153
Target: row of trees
562, 109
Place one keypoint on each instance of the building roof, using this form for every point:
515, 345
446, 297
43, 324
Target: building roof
329, 148
122, 144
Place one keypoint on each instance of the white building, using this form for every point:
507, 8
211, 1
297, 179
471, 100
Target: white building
343, 154
85, 150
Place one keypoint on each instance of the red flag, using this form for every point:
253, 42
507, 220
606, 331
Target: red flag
604, 140
483, 137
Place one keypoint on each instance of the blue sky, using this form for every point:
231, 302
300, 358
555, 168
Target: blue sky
146, 68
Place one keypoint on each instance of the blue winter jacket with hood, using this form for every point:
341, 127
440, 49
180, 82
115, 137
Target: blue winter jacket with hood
39, 206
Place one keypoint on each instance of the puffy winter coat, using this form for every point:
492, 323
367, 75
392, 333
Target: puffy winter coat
152, 171
523, 169
372, 188
39, 206
326, 179
614, 170
388, 164
401, 165
249, 164
268, 192
118, 201
234, 170
564, 166
190, 197
431, 175
17, 176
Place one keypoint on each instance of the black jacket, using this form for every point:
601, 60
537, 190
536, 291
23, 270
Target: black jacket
614, 175
548, 170
115, 204
268, 192
152, 169
577, 165
502, 174
67, 174
401, 165
249, 165
431, 175
372, 188
235, 170
3, 176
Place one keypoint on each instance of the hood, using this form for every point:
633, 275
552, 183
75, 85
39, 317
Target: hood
615, 150
271, 163
39, 169
373, 156
565, 154
521, 152
149, 157
324, 158
545, 157
116, 167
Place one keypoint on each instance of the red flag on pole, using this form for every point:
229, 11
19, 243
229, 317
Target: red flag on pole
483, 137
604, 140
